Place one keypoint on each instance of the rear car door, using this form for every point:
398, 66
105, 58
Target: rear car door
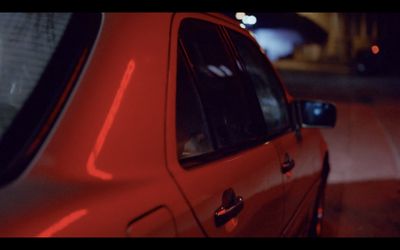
216, 147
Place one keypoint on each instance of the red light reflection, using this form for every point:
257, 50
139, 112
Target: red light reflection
63, 223
91, 165
289, 174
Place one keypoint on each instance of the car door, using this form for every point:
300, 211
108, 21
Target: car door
301, 182
216, 150
299, 151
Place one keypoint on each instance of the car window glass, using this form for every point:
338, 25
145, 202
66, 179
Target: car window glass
270, 94
193, 138
231, 113
27, 41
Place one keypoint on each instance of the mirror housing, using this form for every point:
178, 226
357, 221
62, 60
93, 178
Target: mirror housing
315, 114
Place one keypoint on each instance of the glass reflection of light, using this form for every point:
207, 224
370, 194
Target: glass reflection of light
277, 42
240, 15
216, 70
226, 70
249, 20
239, 65
317, 111
63, 223
315, 108
91, 166
221, 71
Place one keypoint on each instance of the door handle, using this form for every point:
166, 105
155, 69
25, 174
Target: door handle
231, 206
288, 164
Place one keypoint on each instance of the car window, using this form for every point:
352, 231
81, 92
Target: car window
39, 53
233, 115
270, 93
193, 138
26, 45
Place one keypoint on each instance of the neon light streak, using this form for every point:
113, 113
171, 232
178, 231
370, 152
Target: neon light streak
63, 223
91, 163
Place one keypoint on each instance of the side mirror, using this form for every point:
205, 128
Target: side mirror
316, 114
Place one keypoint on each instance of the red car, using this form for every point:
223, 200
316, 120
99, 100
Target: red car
152, 124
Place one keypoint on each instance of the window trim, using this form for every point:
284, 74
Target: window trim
218, 154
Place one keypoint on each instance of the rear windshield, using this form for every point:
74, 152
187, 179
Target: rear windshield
39, 55
27, 42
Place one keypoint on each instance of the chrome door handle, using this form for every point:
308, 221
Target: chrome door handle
231, 206
288, 164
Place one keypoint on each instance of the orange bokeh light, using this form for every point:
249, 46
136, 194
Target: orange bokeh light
375, 49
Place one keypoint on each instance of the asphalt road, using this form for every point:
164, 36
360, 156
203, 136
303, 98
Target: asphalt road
363, 192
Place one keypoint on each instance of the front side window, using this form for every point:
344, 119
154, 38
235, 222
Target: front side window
39, 53
270, 94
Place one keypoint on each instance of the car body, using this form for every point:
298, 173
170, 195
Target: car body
157, 124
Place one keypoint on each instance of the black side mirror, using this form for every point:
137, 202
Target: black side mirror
316, 114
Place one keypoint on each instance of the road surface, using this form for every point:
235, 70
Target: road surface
363, 192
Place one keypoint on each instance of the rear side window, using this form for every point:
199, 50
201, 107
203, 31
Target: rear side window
193, 137
40, 56
232, 115
270, 93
